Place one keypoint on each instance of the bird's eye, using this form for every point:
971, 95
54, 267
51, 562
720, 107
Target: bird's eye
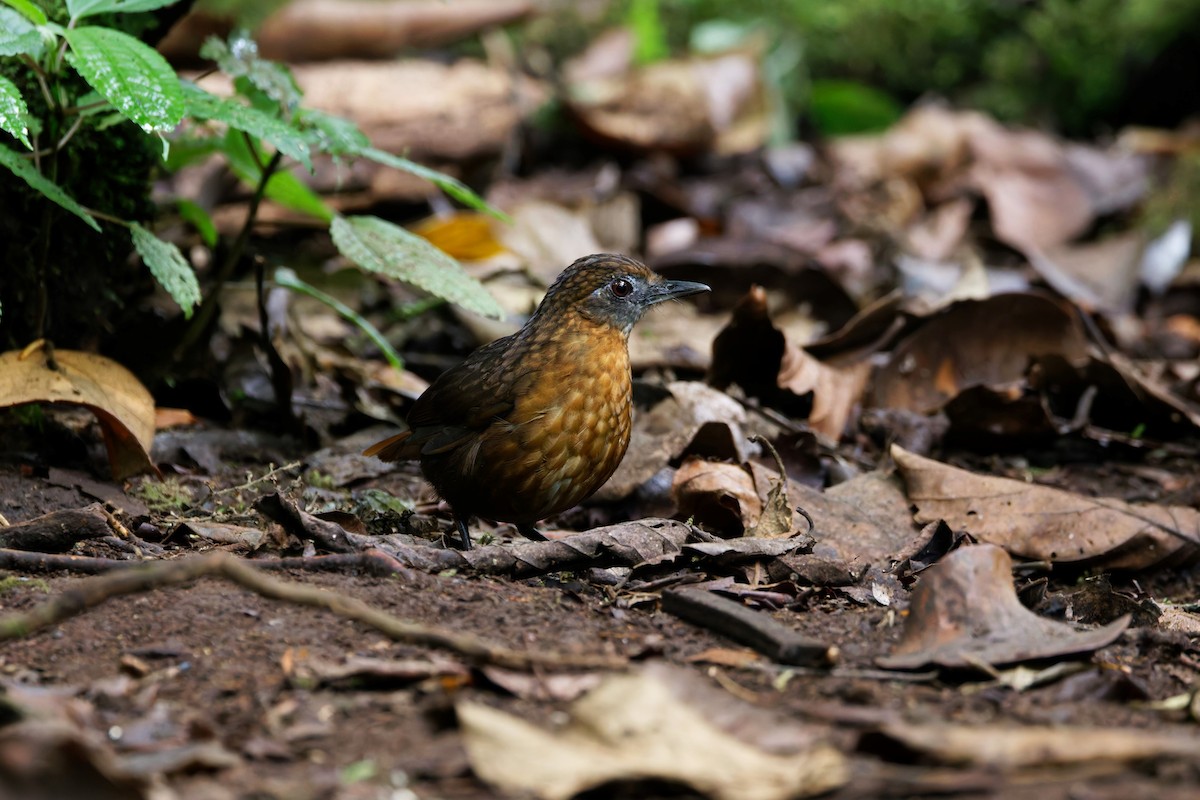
621, 287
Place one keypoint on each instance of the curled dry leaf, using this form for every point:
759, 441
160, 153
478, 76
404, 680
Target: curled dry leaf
753, 353
1046, 524
122, 405
837, 390
965, 613
975, 342
721, 497
630, 729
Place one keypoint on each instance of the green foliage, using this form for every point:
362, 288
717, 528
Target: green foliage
168, 266
1062, 62
843, 107
85, 78
132, 76
379, 246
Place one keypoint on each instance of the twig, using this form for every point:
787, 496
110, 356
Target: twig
26, 561
754, 629
252, 481
92, 592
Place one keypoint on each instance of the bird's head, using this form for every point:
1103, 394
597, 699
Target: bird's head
612, 289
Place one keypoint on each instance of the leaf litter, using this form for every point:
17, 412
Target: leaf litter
1020, 569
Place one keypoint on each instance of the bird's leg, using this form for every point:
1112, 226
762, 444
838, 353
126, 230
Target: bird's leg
529, 532
463, 532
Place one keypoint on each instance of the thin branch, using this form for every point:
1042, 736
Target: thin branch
91, 592
209, 307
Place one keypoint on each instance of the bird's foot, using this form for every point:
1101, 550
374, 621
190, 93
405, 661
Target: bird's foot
463, 533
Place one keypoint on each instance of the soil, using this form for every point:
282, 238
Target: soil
211, 662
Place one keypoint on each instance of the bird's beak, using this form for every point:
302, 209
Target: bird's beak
670, 290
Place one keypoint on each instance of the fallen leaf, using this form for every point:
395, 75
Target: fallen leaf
122, 405
986, 342
965, 613
718, 496
1046, 524
837, 389
631, 728
1001, 747
1103, 275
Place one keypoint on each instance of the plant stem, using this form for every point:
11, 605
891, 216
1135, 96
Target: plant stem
288, 279
208, 308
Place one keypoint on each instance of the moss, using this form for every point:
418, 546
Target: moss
90, 278
1067, 63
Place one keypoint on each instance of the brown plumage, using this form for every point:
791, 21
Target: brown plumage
532, 424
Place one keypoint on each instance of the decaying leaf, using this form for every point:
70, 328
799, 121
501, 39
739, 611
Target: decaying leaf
1047, 524
721, 497
631, 728
776, 518
753, 353
987, 342
965, 613
122, 405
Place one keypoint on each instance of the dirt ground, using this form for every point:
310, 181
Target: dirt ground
208, 663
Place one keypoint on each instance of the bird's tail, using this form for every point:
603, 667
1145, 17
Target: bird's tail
397, 448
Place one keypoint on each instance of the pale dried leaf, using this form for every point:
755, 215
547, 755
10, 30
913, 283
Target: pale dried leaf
122, 405
632, 728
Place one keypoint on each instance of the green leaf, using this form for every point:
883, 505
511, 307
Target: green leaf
288, 140
199, 219
379, 246
24, 170
168, 266
451, 186
132, 76
28, 10
327, 133
13, 111
841, 108
283, 187
289, 279
239, 59
18, 36
85, 8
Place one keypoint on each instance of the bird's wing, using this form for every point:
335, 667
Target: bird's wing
464, 400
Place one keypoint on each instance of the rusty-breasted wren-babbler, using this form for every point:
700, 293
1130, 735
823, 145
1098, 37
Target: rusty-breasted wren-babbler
533, 423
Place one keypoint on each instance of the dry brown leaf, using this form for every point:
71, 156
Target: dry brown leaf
631, 728
965, 613
837, 390
123, 407
987, 342
1002, 747
312, 30
1046, 524
1035, 199
681, 106
452, 111
1102, 275
721, 497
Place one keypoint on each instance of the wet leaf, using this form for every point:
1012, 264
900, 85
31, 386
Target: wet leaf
129, 74
965, 614
123, 407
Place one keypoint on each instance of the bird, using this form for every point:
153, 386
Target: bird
533, 423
